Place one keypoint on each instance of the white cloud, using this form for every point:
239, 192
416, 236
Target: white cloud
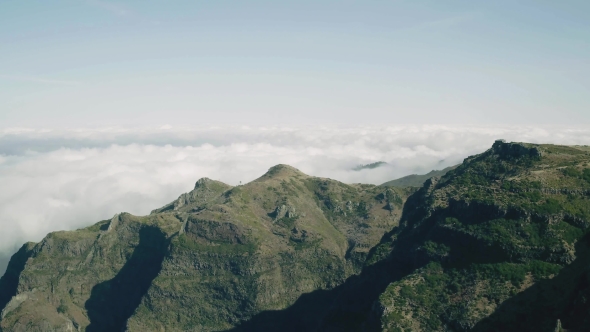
66, 179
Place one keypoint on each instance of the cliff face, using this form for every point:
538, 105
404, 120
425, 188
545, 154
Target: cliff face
213, 258
498, 243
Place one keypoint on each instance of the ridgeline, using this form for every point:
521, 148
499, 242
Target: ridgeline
498, 243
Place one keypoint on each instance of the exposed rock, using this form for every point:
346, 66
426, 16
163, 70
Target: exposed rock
283, 211
558, 327
15, 302
515, 150
113, 223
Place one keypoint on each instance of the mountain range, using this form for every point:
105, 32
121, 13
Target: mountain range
498, 243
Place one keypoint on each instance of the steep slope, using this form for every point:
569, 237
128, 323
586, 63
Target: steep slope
500, 243
208, 261
416, 180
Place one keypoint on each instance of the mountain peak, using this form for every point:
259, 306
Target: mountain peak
203, 182
282, 171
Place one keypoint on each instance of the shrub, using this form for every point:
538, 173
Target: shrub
515, 273
436, 249
551, 206
62, 309
541, 269
534, 196
571, 171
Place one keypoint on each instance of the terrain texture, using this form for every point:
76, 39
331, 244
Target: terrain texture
498, 243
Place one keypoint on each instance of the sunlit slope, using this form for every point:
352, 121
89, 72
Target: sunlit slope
214, 257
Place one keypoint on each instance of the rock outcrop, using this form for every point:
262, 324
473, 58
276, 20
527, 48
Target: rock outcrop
516, 150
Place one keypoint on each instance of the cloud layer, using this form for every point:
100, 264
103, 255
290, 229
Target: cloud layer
66, 179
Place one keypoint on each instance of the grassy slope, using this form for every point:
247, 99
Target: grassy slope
267, 260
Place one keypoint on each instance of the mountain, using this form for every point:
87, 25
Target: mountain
211, 259
369, 166
498, 243
415, 180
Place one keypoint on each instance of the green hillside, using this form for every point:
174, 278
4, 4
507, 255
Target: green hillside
211, 259
499, 243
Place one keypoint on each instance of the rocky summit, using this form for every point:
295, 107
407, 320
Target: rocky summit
499, 243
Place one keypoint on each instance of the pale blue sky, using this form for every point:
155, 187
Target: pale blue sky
69, 63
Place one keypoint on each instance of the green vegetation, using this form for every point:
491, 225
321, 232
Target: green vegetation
431, 293
571, 171
62, 309
434, 249
287, 222
550, 206
502, 221
218, 247
378, 253
515, 273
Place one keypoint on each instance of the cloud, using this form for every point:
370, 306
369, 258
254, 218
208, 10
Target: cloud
66, 179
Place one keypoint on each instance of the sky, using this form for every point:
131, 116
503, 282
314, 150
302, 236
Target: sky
112, 106
92, 63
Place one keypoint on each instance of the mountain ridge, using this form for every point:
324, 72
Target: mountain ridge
417, 180
475, 249
274, 238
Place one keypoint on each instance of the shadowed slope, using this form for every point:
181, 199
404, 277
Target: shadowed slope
112, 302
9, 282
347, 307
564, 297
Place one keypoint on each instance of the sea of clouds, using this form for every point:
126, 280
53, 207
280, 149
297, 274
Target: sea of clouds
66, 179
